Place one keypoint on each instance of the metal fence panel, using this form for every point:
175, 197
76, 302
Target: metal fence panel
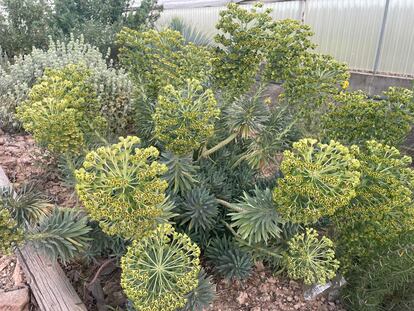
348, 29
397, 54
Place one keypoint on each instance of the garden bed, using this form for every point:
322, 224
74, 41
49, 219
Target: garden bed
22, 161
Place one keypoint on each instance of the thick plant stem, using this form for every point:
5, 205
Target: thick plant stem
228, 205
221, 144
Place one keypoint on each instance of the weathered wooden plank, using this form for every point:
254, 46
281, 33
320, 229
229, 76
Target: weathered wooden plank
48, 282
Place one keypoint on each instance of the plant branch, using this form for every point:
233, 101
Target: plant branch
227, 205
98, 273
220, 145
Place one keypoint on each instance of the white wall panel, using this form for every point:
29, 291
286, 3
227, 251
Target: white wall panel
348, 29
397, 55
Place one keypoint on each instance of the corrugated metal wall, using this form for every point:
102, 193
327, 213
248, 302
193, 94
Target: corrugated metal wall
349, 30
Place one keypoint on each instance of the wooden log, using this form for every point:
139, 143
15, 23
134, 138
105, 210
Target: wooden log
48, 282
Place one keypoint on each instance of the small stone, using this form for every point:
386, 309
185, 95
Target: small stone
16, 300
242, 298
289, 298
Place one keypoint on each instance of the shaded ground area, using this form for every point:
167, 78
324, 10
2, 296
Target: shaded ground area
22, 161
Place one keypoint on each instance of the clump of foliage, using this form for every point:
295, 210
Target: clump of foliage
256, 218
355, 119
29, 23
112, 86
382, 208
24, 24
184, 119
288, 41
318, 180
146, 54
189, 33
27, 218
181, 174
312, 87
310, 258
202, 296
229, 260
158, 271
241, 47
198, 210
121, 188
11, 234
62, 111
385, 283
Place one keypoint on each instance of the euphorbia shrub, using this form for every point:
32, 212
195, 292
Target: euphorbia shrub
184, 118
121, 188
311, 258
382, 208
242, 44
318, 180
159, 270
354, 118
62, 111
156, 59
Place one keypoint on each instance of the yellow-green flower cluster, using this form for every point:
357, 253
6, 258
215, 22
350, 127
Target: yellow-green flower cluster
11, 235
159, 58
310, 258
383, 207
318, 180
311, 86
288, 41
355, 119
160, 270
62, 110
241, 47
120, 186
184, 118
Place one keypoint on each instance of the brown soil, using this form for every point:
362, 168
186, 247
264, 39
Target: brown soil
23, 161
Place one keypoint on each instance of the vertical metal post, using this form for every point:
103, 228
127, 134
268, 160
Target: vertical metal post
381, 36
379, 46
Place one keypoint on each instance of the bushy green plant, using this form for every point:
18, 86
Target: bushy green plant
246, 117
27, 218
181, 174
11, 234
24, 24
63, 234
256, 218
311, 87
228, 260
354, 118
184, 118
160, 58
113, 87
62, 111
311, 258
382, 208
158, 271
288, 41
318, 180
121, 188
27, 204
241, 47
198, 210
385, 283
202, 296
189, 33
